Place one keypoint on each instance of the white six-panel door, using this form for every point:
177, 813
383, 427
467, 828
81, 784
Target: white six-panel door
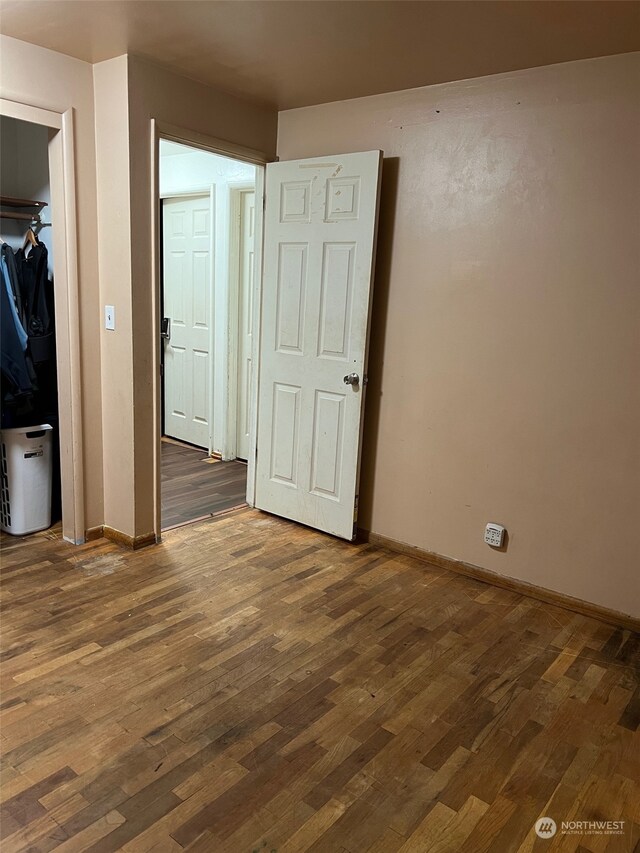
245, 321
319, 246
187, 302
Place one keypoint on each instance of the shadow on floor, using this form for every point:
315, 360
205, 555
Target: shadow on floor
196, 486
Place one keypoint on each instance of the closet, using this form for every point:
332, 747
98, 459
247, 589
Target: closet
29, 396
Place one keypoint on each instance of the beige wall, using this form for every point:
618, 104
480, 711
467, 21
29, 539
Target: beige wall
42, 78
155, 93
114, 102
505, 352
114, 249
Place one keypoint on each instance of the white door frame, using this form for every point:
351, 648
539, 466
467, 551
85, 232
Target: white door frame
162, 130
209, 190
236, 189
67, 305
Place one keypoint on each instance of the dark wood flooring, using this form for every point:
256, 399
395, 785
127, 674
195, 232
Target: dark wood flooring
195, 486
252, 685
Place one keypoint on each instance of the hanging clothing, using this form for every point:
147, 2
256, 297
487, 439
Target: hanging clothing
13, 273
13, 358
27, 350
6, 278
37, 302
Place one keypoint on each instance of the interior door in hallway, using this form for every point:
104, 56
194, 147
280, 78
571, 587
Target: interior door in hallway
245, 320
320, 230
187, 290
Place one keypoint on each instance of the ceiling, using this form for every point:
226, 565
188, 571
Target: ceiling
289, 53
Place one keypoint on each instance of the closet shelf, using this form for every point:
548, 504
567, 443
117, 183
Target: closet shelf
15, 213
27, 217
9, 201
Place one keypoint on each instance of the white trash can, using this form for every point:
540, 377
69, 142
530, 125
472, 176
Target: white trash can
25, 504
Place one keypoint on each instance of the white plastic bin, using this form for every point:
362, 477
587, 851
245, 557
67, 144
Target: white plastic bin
26, 479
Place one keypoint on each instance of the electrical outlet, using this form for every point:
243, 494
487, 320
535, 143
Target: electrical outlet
109, 317
494, 535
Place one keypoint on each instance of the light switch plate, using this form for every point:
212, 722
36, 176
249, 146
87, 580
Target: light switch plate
109, 317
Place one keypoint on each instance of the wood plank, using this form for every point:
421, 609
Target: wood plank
195, 485
250, 682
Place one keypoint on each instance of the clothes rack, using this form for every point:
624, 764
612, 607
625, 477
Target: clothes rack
15, 203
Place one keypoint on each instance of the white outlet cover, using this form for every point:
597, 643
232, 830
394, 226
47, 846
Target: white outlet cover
494, 535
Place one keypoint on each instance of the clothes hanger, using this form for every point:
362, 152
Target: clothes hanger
30, 238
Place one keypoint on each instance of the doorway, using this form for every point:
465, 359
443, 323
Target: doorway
310, 314
61, 213
207, 240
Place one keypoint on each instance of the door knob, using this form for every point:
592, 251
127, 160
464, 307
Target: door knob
351, 379
165, 328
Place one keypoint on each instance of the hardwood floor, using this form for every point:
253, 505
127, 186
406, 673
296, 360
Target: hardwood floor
194, 485
251, 685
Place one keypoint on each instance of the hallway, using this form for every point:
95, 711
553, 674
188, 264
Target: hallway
195, 486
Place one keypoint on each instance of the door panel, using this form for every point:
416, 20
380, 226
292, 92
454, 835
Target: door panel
187, 288
335, 301
286, 422
245, 321
320, 226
